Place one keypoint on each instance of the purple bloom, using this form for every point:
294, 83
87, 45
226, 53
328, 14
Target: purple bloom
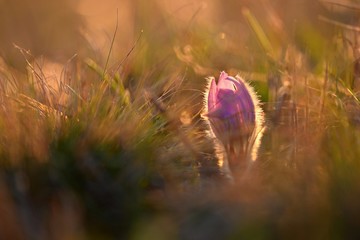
230, 97
235, 118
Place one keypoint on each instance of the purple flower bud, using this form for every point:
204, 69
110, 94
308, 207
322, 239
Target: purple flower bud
234, 115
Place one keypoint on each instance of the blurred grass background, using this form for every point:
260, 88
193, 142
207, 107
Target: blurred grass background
101, 133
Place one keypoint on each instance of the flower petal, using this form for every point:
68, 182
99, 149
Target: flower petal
212, 96
244, 99
223, 82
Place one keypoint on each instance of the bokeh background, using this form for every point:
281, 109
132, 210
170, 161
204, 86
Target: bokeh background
101, 135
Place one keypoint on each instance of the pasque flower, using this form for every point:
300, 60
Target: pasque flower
235, 118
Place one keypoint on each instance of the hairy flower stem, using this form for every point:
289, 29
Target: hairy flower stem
236, 120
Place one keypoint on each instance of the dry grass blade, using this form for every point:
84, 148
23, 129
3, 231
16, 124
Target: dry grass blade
346, 4
38, 106
260, 34
339, 24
